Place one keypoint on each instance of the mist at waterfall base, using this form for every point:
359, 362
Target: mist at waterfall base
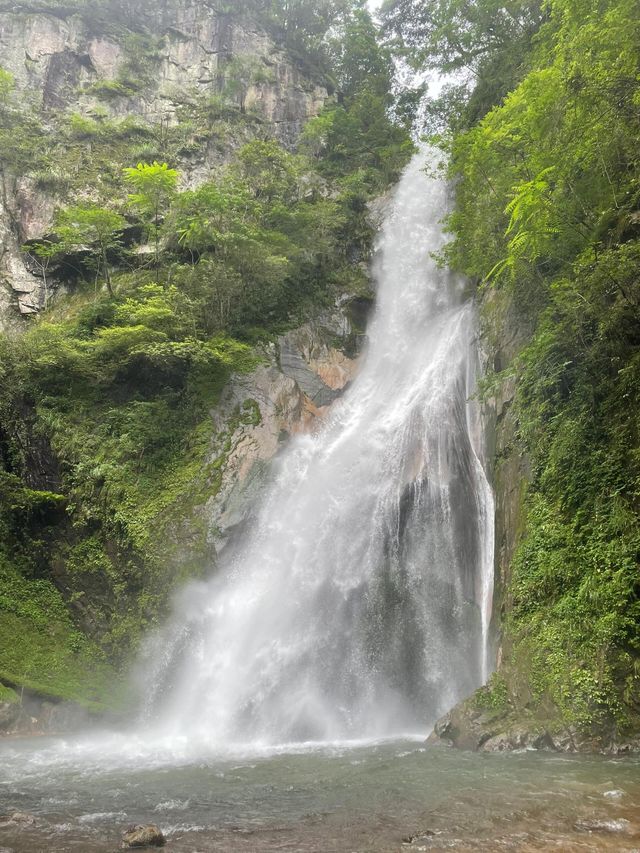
358, 605
281, 694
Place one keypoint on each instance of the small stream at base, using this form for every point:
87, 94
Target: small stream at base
325, 799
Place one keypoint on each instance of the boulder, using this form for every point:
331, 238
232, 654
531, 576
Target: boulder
143, 836
478, 729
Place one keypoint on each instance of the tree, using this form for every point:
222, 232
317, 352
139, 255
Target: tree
226, 223
359, 61
215, 292
154, 187
303, 23
453, 35
269, 171
42, 254
93, 227
208, 220
360, 136
7, 84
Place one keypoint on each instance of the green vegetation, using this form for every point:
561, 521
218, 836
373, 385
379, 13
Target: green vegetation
108, 453
40, 647
86, 226
7, 85
353, 138
155, 185
545, 151
7, 694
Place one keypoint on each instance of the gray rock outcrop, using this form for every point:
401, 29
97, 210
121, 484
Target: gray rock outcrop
56, 58
471, 727
285, 397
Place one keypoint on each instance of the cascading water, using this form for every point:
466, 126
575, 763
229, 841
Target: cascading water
358, 606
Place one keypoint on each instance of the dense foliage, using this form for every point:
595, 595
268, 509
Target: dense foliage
106, 438
548, 216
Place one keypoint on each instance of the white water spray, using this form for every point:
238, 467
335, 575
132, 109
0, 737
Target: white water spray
359, 605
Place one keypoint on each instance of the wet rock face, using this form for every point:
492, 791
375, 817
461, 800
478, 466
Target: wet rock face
291, 392
18, 287
35, 715
25, 213
481, 731
9, 715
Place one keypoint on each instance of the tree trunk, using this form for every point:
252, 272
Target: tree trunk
157, 235
107, 276
44, 284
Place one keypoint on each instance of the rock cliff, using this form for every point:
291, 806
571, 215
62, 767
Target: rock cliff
156, 73
301, 376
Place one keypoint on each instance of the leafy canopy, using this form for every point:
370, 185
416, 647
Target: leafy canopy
154, 186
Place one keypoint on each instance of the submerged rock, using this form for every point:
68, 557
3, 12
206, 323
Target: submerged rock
16, 818
423, 837
143, 836
620, 825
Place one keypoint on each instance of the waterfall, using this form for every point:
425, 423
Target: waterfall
358, 606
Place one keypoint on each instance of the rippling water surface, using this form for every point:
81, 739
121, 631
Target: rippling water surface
338, 798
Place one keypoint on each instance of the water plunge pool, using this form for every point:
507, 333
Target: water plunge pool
326, 799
